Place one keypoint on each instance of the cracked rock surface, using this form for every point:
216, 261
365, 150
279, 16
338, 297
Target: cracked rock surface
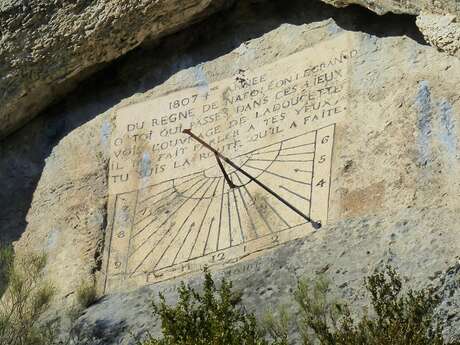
403, 6
46, 47
441, 31
437, 20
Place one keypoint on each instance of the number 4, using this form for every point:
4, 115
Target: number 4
321, 183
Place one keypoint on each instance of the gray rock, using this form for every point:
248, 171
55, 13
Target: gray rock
345, 253
403, 6
437, 20
46, 47
441, 31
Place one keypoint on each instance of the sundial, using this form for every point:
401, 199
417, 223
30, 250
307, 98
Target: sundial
211, 176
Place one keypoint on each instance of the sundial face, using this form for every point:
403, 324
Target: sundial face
216, 174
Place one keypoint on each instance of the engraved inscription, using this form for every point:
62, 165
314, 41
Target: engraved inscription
177, 207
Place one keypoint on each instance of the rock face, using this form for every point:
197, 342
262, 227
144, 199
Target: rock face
441, 31
406, 6
46, 47
393, 180
437, 20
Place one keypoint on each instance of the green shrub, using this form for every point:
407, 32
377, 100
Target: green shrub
6, 261
25, 300
213, 317
86, 294
396, 319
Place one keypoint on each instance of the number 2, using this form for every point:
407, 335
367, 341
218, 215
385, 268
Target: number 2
218, 257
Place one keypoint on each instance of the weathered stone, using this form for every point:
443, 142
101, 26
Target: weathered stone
46, 47
405, 6
346, 253
436, 19
441, 31
67, 217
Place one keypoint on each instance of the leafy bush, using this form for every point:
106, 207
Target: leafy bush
398, 319
215, 318
25, 300
86, 294
210, 318
6, 260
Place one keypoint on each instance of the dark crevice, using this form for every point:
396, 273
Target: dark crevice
99, 252
23, 154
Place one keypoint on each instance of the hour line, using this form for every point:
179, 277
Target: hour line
193, 224
283, 149
204, 218
152, 196
170, 216
297, 154
209, 231
142, 262
143, 213
282, 161
246, 208
294, 193
278, 175
239, 218
220, 216
229, 219
137, 233
258, 211
156, 202
180, 228
164, 235
275, 212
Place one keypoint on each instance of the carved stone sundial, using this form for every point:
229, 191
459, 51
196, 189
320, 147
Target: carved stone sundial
212, 178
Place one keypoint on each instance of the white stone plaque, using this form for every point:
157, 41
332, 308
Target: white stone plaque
254, 174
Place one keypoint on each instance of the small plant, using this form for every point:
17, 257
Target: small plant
213, 317
398, 319
277, 327
86, 294
25, 300
6, 261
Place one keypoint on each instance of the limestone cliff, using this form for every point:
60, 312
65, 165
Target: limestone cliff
48, 47
393, 185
